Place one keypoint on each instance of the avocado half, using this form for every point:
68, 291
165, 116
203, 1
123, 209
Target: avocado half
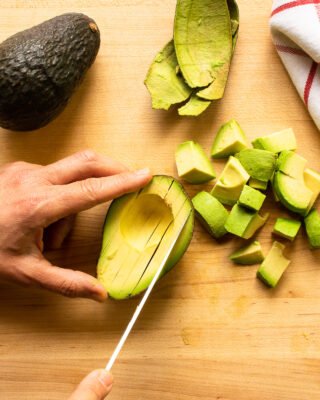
41, 67
138, 230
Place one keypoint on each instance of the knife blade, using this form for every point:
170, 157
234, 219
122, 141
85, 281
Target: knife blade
144, 299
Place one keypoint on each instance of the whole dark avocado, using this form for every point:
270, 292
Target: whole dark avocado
41, 67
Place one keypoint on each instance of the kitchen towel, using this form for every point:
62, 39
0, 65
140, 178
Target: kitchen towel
295, 29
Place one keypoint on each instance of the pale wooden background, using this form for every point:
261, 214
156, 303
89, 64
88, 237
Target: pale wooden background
210, 330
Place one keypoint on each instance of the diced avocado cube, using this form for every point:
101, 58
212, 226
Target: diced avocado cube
312, 224
292, 193
248, 255
255, 225
260, 164
192, 163
243, 222
274, 265
277, 141
230, 183
256, 184
229, 140
312, 181
251, 198
211, 213
287, 228
291, 164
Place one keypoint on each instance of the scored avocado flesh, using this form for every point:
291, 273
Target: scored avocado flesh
142, 227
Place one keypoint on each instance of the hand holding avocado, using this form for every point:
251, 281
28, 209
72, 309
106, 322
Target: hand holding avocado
38, 206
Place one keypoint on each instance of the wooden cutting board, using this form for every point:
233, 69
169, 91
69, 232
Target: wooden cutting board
211, 330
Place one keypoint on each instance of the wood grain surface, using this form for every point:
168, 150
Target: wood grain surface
211, 330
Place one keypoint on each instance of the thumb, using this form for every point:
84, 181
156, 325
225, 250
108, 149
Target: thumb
67, 282
95, 386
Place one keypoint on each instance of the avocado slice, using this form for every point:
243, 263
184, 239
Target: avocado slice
229, 140
251, 198
138, 230
292, 193
274, 265
194, 107
312, 181
211, 213
312, 224
287, 228
291, 164
248, 255
41, 68
243, 222
230, 183
277, 141
260, 164
192, 163
256, 184
202, 40
215, 90
165, 85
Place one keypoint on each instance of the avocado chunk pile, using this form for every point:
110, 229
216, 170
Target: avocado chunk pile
138, 231
246, 174
192, 69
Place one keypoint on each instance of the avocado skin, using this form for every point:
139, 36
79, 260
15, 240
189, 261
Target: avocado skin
41, 67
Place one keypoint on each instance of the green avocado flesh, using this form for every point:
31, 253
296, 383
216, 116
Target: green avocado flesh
287, 228
277, 142
274, 265
138, 230
211, 214
256, 184
41, 67
230, 183
202, 40
243, 222
192, 163
251, 198
312, 182
291, 164
260, 164
248, 255
164, 84
312, 224
292, 193
229, 140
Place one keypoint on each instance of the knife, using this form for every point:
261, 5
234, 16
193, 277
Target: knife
143, 300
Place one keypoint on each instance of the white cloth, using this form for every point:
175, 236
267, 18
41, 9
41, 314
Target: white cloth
295, 29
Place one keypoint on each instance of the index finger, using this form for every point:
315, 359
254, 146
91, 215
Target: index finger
82, 195
82, 165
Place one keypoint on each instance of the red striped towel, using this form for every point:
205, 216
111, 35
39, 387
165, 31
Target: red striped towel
295, 28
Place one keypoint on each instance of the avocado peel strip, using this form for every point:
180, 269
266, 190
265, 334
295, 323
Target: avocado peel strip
194, 107
202, 39
164, 82
197, 61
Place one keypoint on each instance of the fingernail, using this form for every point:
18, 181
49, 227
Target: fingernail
144, 171
100, 293
106, 379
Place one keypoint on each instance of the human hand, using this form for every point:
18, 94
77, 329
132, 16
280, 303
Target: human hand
95, 386
35, 197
